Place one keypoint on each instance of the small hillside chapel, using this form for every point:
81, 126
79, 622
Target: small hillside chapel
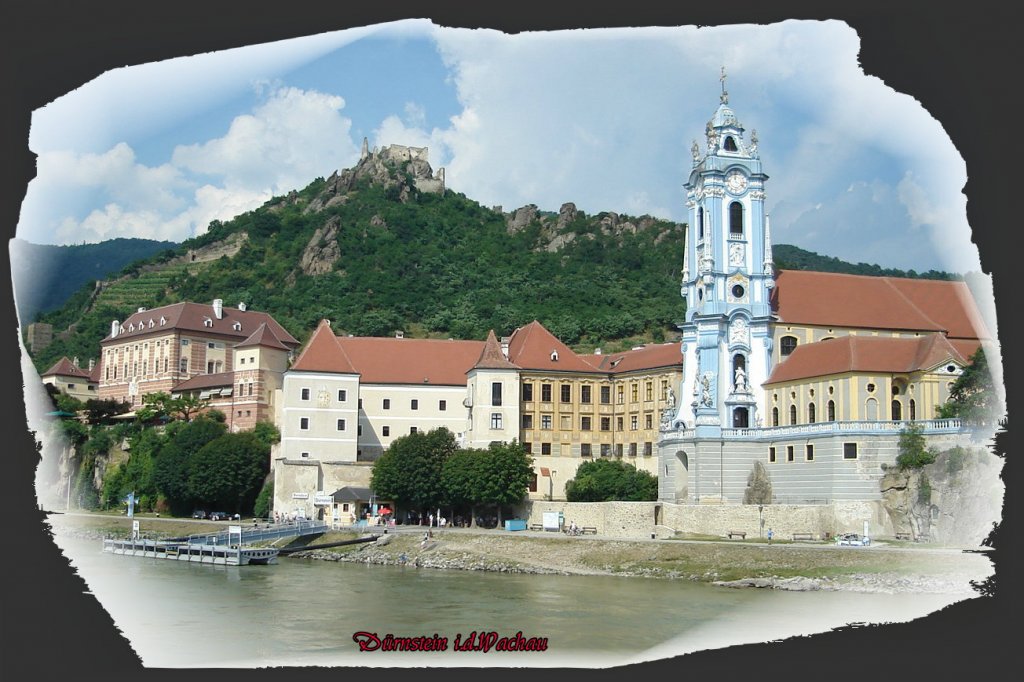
812, 374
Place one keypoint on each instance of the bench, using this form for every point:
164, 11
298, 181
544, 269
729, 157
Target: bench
923, 537
902, 536
741, 533
536, 526
588, 530
803, 536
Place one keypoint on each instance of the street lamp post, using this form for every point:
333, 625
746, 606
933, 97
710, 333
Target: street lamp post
760, 515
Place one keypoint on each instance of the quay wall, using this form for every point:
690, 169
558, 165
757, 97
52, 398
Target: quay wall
632, 520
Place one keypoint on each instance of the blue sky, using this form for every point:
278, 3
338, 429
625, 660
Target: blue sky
603, 118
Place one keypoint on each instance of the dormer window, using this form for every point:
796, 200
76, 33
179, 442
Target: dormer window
207, 322
237, 326
163, 320
730, 144
554, 356
151, 325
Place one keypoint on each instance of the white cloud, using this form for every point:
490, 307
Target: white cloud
294, 136
289, 139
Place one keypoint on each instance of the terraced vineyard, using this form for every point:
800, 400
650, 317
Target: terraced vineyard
141, 290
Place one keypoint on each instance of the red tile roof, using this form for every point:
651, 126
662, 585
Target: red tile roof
532, 347
323, 353
856, 301
434, 362
191, 317
492, 356
865, 354
651, 356
206, 381
65, 368
263, 336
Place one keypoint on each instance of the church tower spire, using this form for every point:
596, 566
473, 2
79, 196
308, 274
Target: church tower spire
727, 278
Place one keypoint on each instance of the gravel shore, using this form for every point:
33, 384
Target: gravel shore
793, 567
733, 565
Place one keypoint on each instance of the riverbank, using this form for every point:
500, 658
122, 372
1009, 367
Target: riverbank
740, 564
733, 564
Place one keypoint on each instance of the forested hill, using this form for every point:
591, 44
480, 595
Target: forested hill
45, 275
377, 248
789, 257
368, 250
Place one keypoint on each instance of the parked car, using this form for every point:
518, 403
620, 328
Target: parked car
219, 516
198, 514
853, 540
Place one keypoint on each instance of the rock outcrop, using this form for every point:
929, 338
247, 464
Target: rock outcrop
322, 251
759, 486
955, 500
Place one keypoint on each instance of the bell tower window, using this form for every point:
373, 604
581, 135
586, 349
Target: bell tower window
700, 223
730, 144
735, 219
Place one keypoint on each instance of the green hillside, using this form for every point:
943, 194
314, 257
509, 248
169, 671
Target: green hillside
46, 276
367, 250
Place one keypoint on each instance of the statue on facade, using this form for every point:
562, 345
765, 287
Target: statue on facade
741, 380
705, 391
695, 151
671, 401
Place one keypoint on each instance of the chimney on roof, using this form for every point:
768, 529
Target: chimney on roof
504, 345
142, 309
92, 363
115, 327
399, 334
597, 351
218, 308
75, 361
241, 307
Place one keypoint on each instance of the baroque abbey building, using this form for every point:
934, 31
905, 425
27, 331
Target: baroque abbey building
812, 374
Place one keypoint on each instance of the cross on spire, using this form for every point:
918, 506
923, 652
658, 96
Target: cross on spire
724, 97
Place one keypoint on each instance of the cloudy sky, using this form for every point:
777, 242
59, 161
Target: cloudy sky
603, 118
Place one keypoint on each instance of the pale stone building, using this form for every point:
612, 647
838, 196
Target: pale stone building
67, 377
530, 387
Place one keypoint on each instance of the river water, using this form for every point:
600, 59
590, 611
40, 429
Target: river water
305, 612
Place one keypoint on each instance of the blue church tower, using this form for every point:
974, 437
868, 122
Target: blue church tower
727, 279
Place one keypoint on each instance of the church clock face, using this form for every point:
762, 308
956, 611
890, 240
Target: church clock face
736, 182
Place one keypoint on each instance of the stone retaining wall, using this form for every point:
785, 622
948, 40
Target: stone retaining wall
638, 519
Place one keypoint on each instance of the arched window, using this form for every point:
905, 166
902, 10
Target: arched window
831, 410
913, 410
740, 418
735, 218
775, 416
872, 409
730, 144
700, 223
897, 411
810, 413
792, 414
787, 344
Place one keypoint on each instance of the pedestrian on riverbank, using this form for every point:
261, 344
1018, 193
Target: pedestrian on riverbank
770, 536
